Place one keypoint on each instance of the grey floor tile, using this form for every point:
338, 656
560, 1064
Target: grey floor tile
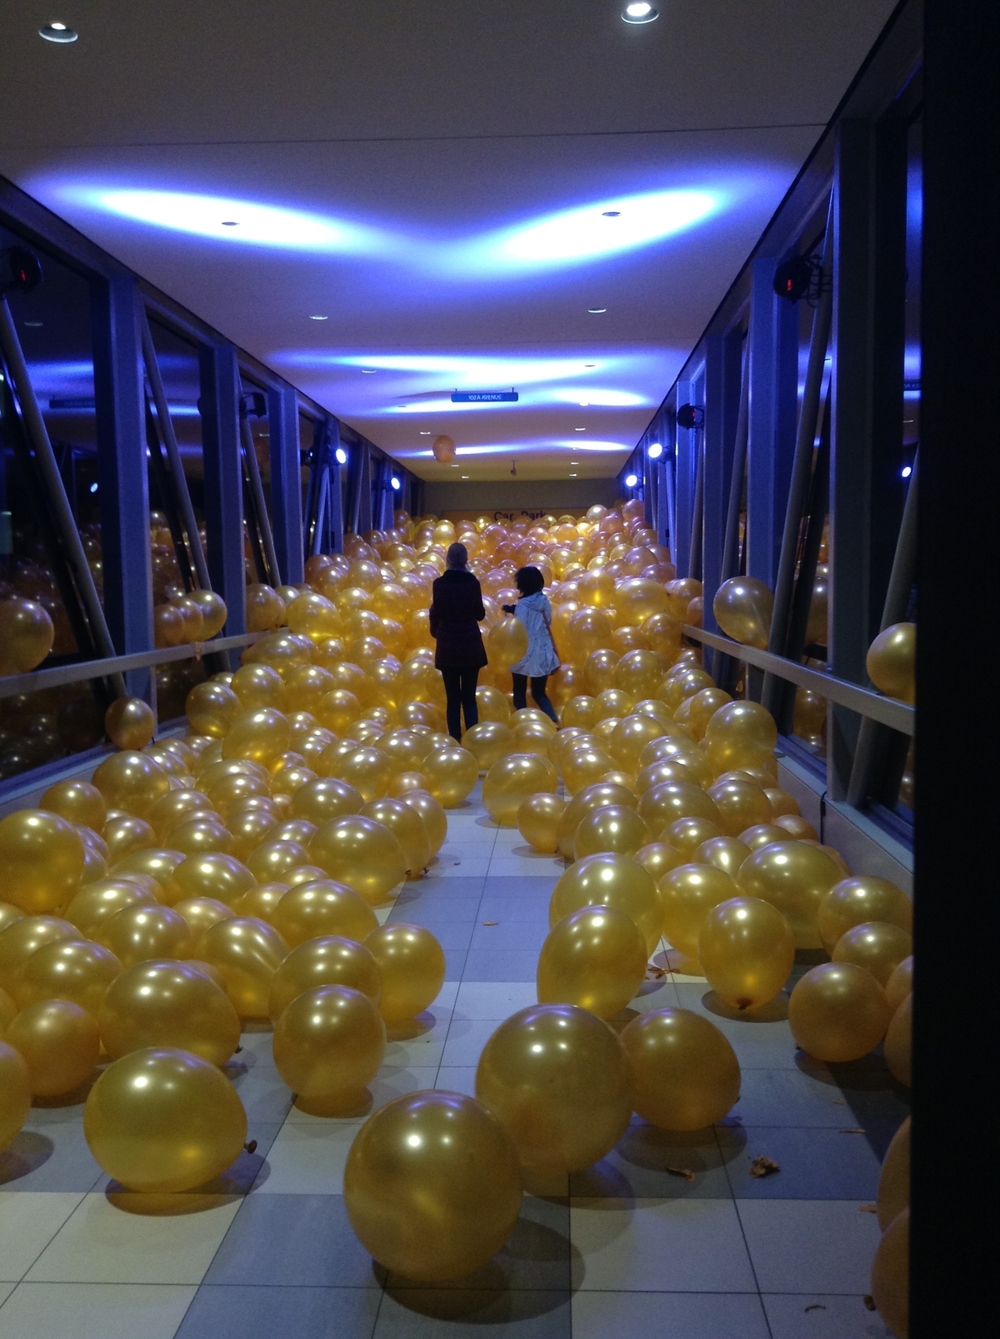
459, 1314
516, 885
789, 1097
229, 1312
297, 1240
815, 1164
761, 1039
821, 1316
509, 935
262, 1091
599, 1315
521, 910
437, 886
500, 965
807, 1246
455, 964
457, 1079
431, 911
637, 1168
48, 1157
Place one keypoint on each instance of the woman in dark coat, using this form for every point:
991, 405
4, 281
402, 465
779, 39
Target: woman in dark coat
455, 616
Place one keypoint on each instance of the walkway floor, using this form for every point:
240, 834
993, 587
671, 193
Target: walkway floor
627, 1248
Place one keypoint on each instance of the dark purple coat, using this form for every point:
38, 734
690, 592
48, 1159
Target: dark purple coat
455, 616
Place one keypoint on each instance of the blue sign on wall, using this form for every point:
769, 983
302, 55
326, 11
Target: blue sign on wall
482, 397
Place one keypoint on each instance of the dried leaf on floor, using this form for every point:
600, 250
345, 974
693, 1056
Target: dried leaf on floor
686, 1172
867, 1208
869, 1302
654, 973
491, 922
816, 1306
762, 1166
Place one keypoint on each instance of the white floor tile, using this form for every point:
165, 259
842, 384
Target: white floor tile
29, 1219
466, 1040
388, 1084
457, 1079
5, 1291
821, 1316
507, 865
308, 1159
806, 1246
494, 999
639, 1315
103, 1242
463, 867
692, 1245
95, 1311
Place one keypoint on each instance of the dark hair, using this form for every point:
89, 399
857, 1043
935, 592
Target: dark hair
458, 555
529, 580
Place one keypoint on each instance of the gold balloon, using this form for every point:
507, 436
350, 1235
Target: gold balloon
557, 1078
362, 853
451, 774
8, 1010
741, 805
794, 877
162, 1121
212, 875
129, 723
511, 780
259, 735
406, 824
66, 970
746, 950
41, 857
838, 1012
132, 782
271, 860
611, 827
584, 766
144, 931
365, 769
328, 961
858, 900
9, 914
213, 611
725, 853
688, 893
900, 983
77, 802
685, 1074
538, 819
876, 946
670, 800
898, 1043
59, 1043
125, 834
762, 834
159, 863
247, 952
15, 1093
685, 835
591, 797
740, 734
97, 901
432, 1186
610, 880
743, 607
167, 1003
322, 907
658, 858
595, 958
328, 1045
894, 1179
210, 707
21, 938
506, 642
326, 798
890, 1281
201, 913
412, 964
261, 901
26, 634
891, 661
782, 802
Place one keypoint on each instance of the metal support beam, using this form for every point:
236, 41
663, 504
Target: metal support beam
261, 518
723, 359
286, 483
685, 470
220, 416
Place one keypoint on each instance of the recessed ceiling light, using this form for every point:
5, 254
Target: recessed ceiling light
34, 325
572, 475
579, 429
640, 12
596, 311
319, 318
369, 371
465, 476
57, 32
425, 433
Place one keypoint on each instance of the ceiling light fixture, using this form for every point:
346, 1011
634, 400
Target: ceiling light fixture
465, 476
579, 429
572, 475
341, 455
33, 325
368, 371
425, 432
631, 480
319, 318
596, 311
655, 451
57, 32
639, 12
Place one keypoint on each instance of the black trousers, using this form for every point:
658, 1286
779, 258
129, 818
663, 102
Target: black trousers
460, 690
537, 692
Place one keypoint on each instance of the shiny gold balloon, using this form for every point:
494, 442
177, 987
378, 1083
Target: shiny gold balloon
838, 1012
328, 1045
900, 983
362, 853
8, 1010
101, 899
432, 1186
260, 735
891, 661
412, 964
273, 859
741, 805
611, 827
782, 802
762, 834
67, 970
213, 611
610, 880
898, 1043
894, 1179
890, 1278
685, 1074
557, 1078
696, 711
591, 797
158, 863
201, 913
132, 782
129, 723
144, 931
163, 1002
407, 826
451, 774
506, 642
328, 961
794, 877
658, 858
538, 818
740, 734
631, 735
247, 952
685, 835
326, 798
210, 707
15, 1093
59, 1043
584, 766
9, 914
366, 769
26, 634
726, 853
747, 950
77, 802
671, 800
124, 834
511, 780
489, 741
41, 859
743, 607
162, 1120
212, 875
261, 901
323, 907
858, 900
687, 894
21, 938
594, 958
876, 946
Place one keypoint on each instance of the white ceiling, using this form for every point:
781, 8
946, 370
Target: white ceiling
416, 144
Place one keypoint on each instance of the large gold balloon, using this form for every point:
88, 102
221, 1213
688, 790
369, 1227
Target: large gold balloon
894, 1179
838, 1012
671, 800
890, 1281
272, 859
557, 1078
210, 707
163, 1002
77, 802
899, 1043
584, 766
434, 817
900, 983
538, 818
366, 769
407, 826
326, 798
328, 1045
794, 877
211, 875
328, 961
511, 780
129, 723
162, 1121
60, 1044
21, 938
362, 853
259, 735
687, 894
432, 1186
858, 900
595, 958
685, 835
611, 827
9, 914
15, 1093
658, 858
762, 834
726, 853
261, 901
66, 970
132, 782
591, 797
247, 952
213, 611
144, 931
741, 804
26, 634
157, 862
451, 774
506, 642
124, 834
685, 1074
322, 907
747, 950
743, 607
201, 913
891, 661
875, 945
412, 964
489, 741
611, 880
41, 860
97, 901
740, 734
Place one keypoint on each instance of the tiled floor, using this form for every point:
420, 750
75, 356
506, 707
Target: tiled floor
627, 1248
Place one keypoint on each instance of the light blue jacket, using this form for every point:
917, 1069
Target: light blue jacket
535, 612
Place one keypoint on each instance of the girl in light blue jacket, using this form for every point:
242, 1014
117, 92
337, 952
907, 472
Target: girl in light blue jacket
542, 659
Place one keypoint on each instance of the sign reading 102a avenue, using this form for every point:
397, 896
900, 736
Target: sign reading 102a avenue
482, 397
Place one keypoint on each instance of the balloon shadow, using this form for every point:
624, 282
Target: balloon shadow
775, 1011
360, 1105
249, 1169
529, 853
75, 1098
410, 1028
25, 1153
673, 960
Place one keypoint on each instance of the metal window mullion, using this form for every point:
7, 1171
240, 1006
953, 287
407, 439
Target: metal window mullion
286, 483
220, 413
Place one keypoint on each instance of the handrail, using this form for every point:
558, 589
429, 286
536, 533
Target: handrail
887, 710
